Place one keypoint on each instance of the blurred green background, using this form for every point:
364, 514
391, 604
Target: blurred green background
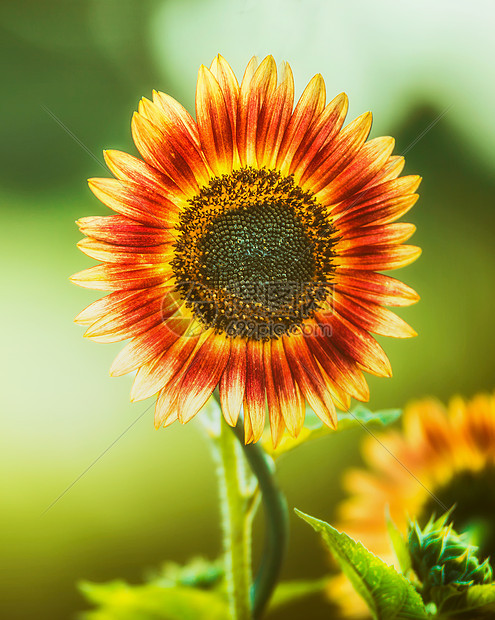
424, 69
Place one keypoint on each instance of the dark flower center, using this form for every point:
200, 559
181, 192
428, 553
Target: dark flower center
254, 255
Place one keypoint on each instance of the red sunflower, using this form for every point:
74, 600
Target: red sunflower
246, 251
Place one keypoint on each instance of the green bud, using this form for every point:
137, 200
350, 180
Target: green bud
442, 557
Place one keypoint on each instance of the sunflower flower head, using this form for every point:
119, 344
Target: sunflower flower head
246, 251
442, 557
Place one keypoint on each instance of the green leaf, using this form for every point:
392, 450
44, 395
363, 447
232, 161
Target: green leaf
399, 545
314, 427
456, 600
197, 573
387, 593
290, 591
361, 415
118, 600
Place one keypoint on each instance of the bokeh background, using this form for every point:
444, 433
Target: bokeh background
72, 74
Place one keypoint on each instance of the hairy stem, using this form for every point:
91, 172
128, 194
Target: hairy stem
277, 522
236, 524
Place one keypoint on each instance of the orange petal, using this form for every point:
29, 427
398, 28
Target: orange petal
341, 370
376, 214
371, 158
384, 234
375, 287
233, 381
275, 414
377, 194
309, 106
381, 258
320, 134
203, 373
214, 123
390, 171
126, 277
111, 253
177, 137
254, 400
167, 153
340, 397
252, 94
372, 317
376, 198
336, 156
128, 168
119, 230
274, 118
148, 346
221, 69
357, 344
166, 403
136, 202
133, 317
289, 397
309, 378
153, 376
116, 302
178, 116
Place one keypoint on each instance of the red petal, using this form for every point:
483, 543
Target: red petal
137, 202
357, 344
275, 414
233, 381
289, 397
341, 370
371, 158
336, 156
128, 168
254, 400
153, 376
372, 317
375, 287
122, 277
274, 118
203, 373
126, 323
230, 88
116, 302
122, 254
214, 123
253, 92
320, 134
135, 316
164, 150
120, 230
148, 346
309, 378
385, 234
381, 258
309, 107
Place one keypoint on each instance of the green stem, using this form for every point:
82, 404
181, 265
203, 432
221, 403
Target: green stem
277, 522
236, 525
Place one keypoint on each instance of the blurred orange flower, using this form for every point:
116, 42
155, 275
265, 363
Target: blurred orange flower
445, 456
